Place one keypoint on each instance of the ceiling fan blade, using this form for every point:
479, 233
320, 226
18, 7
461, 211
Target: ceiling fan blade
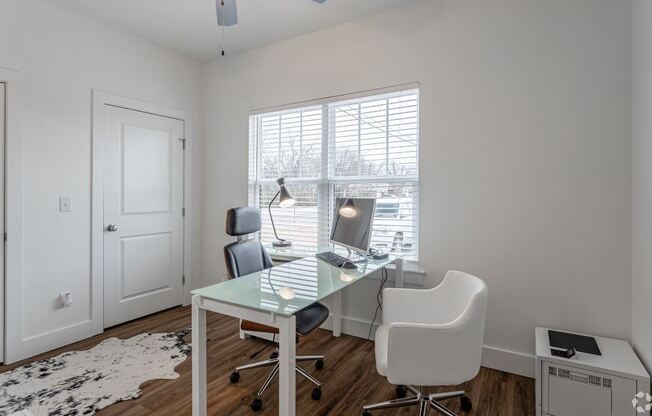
227, 13
319, 1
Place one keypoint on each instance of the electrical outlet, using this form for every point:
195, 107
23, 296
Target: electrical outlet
65, 204
65, 299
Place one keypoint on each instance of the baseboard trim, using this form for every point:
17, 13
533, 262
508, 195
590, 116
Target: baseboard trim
492, 357
508, 361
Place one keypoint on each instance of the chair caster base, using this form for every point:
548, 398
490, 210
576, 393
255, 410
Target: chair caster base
234, 377
319, 364
401, 391
316, 393
465, 404
256, 404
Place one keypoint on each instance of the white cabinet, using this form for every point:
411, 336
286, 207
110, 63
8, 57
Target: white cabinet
586, 384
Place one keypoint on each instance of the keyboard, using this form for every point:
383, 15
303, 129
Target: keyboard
332, 258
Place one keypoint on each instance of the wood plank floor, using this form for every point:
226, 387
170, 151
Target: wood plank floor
350, 379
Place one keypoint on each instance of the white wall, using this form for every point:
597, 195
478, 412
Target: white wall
61, 57
642, 182
525, 146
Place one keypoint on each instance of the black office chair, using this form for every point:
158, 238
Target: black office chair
249, 256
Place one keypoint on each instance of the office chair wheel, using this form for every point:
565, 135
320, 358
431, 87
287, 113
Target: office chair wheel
316, 393
234, 377
401, 391
465, 404
256, 404
273, 355
319, 364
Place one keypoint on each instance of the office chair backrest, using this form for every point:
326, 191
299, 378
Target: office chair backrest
244, 256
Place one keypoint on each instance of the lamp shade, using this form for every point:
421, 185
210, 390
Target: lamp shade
348, 210
285, 199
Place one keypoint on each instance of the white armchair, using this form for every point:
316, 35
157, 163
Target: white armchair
431, 338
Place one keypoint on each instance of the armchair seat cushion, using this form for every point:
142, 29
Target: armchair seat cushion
381, 349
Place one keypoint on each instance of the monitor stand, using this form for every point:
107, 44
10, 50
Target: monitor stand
360, 259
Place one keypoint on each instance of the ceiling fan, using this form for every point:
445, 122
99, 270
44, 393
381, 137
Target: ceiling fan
227, 13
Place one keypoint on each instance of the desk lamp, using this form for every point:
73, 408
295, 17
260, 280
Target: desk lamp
285, 201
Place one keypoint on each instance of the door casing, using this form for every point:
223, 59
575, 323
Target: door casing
3, 117
100, 100
15, 347
143, 254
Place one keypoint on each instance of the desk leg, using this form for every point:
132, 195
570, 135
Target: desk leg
243, 334
400, 278
287, 361
337, 313
198, 358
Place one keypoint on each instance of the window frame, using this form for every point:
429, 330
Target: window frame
325, 181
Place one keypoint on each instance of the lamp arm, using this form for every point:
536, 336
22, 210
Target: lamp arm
271, 217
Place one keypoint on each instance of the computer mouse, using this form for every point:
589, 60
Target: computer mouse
349, 265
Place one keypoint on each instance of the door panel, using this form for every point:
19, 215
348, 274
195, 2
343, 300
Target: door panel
146, 261
147, 170
143, 200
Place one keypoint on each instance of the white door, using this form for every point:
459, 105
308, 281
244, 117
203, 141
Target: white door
143, 218
2, 218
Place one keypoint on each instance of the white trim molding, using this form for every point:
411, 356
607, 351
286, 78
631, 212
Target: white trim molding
509, 361
15, 347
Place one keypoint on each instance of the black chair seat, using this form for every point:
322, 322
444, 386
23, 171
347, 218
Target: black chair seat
310, 318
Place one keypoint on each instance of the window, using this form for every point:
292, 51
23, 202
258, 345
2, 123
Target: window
357, 147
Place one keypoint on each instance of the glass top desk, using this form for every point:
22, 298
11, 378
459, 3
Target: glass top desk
271, 297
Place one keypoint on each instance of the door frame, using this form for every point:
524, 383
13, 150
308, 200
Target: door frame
11, 272
100, 100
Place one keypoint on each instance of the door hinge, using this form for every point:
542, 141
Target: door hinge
183, 142
183, 211
183, 279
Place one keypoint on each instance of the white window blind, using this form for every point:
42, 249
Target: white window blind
362, 147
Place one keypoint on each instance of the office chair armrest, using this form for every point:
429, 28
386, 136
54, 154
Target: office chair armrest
418, 352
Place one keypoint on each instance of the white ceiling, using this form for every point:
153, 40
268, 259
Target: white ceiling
190, 26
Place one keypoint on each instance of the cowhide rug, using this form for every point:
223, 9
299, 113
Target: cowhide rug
83, 382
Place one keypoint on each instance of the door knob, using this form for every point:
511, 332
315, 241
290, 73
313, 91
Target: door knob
112, 228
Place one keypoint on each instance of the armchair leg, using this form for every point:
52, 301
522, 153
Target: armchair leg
406, 401
441, 409
424, 401
446, 396
423, 408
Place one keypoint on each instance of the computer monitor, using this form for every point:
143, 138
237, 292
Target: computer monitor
352, 223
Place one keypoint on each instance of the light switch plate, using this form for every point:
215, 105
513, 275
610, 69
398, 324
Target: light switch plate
64, 204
